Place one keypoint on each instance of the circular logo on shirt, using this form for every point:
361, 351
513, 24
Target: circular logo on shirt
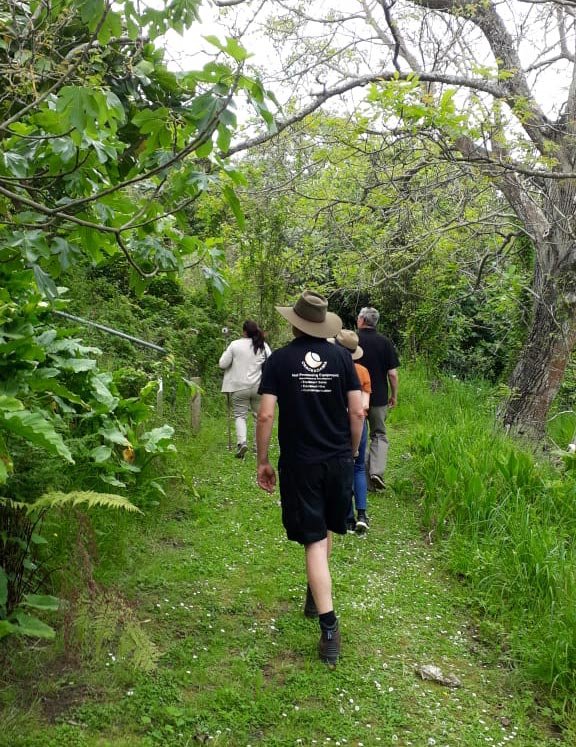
312, 360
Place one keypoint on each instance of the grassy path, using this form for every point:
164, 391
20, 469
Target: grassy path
219, 591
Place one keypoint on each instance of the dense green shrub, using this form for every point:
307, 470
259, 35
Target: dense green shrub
471, 333
56, 407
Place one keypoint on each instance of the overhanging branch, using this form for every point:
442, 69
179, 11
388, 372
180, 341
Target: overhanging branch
386, 76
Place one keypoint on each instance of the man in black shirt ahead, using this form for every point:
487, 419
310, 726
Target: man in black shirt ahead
381, 360
319, 429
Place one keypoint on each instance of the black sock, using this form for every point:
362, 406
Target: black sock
327, 619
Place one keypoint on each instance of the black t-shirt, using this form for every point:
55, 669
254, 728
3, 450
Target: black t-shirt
311, 379
379, 357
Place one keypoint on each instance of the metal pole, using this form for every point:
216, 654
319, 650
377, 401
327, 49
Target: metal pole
111, 331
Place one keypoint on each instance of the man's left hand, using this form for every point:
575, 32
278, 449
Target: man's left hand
266, 477
392, 401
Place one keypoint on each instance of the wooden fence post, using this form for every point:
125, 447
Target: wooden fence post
160, 397
195, 406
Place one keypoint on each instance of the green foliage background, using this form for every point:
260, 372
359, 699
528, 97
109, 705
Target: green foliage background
118, 204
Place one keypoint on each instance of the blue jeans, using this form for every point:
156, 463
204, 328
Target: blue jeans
360, 483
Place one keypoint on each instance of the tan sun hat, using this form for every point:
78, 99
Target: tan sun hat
310, 315
349, 340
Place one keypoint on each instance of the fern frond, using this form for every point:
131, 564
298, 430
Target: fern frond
13, 504
90, 497
136, 647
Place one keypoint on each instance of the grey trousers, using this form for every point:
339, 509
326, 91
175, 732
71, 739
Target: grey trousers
377, 453
243, 402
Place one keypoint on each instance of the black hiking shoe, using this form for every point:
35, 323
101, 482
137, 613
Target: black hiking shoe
362, 523
310, 609
329, 644
241, 449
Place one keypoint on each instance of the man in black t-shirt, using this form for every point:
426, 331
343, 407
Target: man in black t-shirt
381, 360
319, 430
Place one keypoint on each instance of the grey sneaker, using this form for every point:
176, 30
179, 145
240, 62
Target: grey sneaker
310, 605
329, 645
241, 449
377, 482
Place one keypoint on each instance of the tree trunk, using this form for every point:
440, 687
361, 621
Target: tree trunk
543, 360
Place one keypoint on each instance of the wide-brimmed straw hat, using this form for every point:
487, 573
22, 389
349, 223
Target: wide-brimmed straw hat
310, 315
349, 340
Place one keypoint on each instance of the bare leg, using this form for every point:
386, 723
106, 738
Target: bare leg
318, 573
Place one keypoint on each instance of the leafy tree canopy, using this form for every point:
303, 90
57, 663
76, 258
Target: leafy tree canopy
102, 148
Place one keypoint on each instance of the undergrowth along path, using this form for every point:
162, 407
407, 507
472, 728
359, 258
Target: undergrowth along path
220, 593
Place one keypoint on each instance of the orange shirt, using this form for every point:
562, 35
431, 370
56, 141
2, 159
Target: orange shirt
364, 376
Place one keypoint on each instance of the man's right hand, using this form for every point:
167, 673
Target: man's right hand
266, 477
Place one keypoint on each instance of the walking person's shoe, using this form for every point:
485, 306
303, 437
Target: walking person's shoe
377, 482
362, 523
310, 609
351, 525
329, 644
241, 449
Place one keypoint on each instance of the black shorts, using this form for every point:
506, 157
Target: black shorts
315, 498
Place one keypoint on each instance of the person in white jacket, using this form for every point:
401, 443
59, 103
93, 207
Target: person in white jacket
242, 362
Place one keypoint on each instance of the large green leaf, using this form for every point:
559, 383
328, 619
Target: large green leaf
15, 163
114, 435
232, 47
49, 384
101, 454
76, 365
101, 392
32, 626
91, 12
73, 106
7, 628
234, 203
33, 427
41, 602
10, 404
151, 120
159, 439
46, 285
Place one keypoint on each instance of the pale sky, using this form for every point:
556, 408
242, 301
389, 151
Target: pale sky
192, 51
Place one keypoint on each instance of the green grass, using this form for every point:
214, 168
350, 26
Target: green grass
210, 583
507, 520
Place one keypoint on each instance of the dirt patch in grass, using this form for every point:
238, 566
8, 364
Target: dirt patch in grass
276, 670
174, 542
67, 697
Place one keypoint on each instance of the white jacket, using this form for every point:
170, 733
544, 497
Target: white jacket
242, 366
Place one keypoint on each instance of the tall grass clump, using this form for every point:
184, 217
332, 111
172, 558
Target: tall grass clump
506, 522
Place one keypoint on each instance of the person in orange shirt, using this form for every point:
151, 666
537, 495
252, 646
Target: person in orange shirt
359, 524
